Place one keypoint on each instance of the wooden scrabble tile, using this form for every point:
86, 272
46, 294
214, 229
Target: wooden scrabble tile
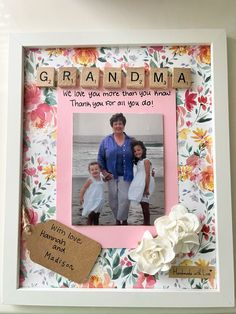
181, 78
67, 77
45, 77
112, 77
135, 78
158, 78
89, 77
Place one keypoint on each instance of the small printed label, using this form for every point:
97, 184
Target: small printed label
62, 250
192, 272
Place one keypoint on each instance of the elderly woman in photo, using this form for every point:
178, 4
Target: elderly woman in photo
116, 159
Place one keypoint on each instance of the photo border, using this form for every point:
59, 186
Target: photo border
223, 296
106, 235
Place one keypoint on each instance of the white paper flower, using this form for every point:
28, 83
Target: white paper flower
153, 254
179, 227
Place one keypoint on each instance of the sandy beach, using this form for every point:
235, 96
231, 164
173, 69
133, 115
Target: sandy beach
106, 217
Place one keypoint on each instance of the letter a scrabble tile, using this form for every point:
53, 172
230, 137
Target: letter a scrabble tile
181, 78
90, 78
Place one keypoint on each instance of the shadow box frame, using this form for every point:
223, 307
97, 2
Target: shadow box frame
223, 296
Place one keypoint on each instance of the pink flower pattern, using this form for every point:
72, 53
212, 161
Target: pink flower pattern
32, 96
194, 113
190, 101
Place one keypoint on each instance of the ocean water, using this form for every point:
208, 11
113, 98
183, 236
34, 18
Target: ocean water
84, 152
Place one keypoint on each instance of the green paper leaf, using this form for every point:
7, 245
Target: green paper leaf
127, 271
43, 218
102, 59
130, 258
38, 199
102, 50
123, 285
29, 67
153, 64
209, 220
31, 57
155, 56
109, 272
198, 286
51, 210
204, 119
107, 261
206, 250
207, 91
210, 206
50, 100
26, 192
116, 261
116, 272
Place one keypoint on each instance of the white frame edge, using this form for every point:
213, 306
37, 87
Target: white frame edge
224, 295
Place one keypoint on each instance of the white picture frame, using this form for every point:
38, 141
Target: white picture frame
223, 296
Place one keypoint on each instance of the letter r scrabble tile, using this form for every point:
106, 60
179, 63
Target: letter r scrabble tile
45, 77
67, 77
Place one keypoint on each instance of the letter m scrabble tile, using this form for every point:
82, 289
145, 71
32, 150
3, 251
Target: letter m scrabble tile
158, 78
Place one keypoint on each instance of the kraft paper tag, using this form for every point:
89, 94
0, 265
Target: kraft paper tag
192, 272
63, 250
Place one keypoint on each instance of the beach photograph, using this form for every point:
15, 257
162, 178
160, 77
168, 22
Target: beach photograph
89, 130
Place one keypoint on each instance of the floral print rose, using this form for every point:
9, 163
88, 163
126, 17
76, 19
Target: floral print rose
181, 228
153, 254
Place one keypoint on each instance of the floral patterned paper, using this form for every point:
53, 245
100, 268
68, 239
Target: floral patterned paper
114, 267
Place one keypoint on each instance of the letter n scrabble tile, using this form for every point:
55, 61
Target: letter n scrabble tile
112, 77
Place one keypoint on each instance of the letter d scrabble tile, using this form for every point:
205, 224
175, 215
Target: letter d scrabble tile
135, 78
